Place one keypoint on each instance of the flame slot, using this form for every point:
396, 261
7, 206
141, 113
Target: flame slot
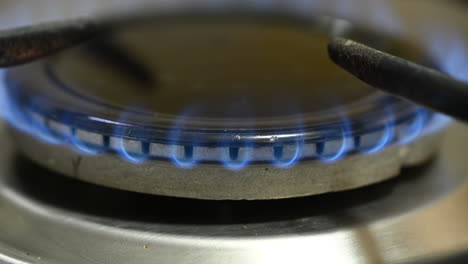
278, 152
333, 150
130, 150
145, 148
233, 153
357, 142
87, 142
320, 148
188, 152
287, 155
237, 158
183, 156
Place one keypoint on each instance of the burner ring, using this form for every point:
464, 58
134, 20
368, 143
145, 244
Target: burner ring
327, 144
215, 182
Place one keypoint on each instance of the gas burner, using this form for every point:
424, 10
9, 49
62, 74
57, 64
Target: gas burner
224, 107
253, 104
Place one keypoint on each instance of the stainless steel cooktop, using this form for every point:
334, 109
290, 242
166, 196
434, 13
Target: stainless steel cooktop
421, 215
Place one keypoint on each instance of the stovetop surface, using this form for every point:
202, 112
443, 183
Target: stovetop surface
420, 215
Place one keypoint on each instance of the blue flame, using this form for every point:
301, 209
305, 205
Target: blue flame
283, 162
183, 162
121, 148
387, 136
186, 162
239, 162
127, 155
40, 129
44, 134
339, 154
15, 115
287, 163
84, 148
344, 131
438, 123
38, 125
449, 50
413, 131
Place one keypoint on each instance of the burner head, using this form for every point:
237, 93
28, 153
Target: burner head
250, 104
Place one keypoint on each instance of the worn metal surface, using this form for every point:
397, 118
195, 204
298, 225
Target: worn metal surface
25, 44
400, 77
420, 216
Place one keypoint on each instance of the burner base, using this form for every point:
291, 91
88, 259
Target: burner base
50, 219
214, 182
